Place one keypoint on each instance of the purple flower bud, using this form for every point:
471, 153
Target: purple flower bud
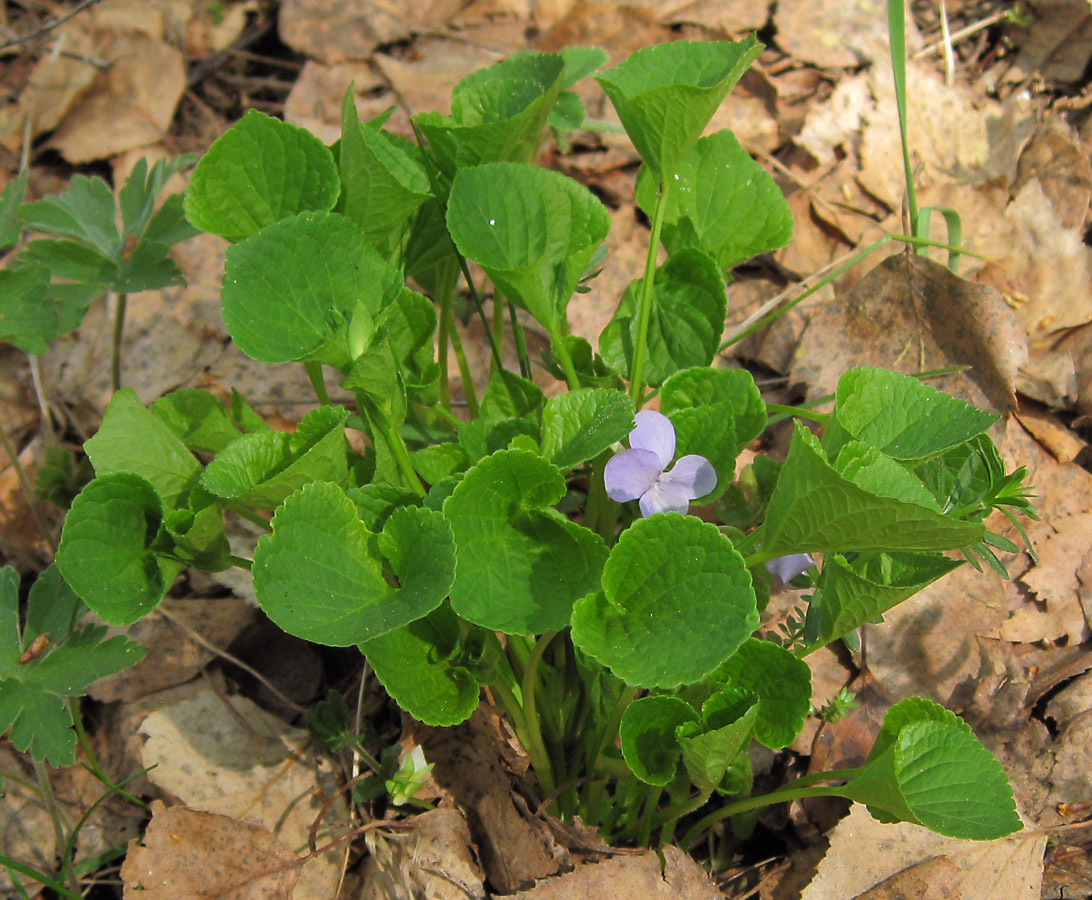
785, 568
638, 473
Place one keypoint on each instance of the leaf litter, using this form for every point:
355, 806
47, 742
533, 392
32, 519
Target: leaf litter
1014, 166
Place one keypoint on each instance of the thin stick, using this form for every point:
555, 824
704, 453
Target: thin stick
49, 26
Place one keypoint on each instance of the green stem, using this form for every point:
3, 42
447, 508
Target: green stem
8, 863
799, 412
398, 447
521, 342
540, 760
530, 709
464, 369
896, 27
59, 832
600, 512
648, 816
318, 383
732, 809
562, 355
498, 327
245, 512
446, 292
95, 768
115, 342
644, 309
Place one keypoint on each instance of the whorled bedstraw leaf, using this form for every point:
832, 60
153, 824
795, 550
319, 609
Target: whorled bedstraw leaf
666, 94
303, 287
857, 592
687, 318
260, 171
320, 574
581, 424
900, 415
521, 563
33, 691
198, 418
722, 202
497, 113
716, 413
532, 230
676, 602
782, 684
927, 767
262, 468
108, 548
424, 668
816, 508
647, 736
382, 184
134, 439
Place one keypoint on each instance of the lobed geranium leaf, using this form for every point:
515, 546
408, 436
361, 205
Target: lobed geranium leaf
532, 230
33, 692
423, 667
198, 418
780, 681
666, 94
676, 602
263, 468
320, 574
11, 229
722, 202
107, 551
303, 288
134, 439
647, 736
927, 767
497, 113
581, 424
382, 183
688, 309
258, 172
816, 508
28, 317
857, 592
901, 416
521, 563
86, 212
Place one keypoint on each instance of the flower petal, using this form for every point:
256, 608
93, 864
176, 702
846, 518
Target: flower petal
665, 497
694, 473
655, 433
786, 568
629, 474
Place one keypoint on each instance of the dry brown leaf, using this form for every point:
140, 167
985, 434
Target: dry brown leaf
26, 831
337, 30
225, 755
911, 314
837, 121
130, 104
1062, 168
1046, 428
834, 34
632, 875
424, 82
192, 855
1072, 753
728, 16
1054, 583
314, 102
1058, 45
215, 26
1067, 874
865, 853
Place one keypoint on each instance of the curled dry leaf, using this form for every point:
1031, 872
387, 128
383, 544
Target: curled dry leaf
188, 855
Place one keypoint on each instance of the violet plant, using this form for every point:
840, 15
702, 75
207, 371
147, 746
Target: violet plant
515, 543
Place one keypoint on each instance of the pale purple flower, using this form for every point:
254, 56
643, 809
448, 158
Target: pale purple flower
639, 473
786, 568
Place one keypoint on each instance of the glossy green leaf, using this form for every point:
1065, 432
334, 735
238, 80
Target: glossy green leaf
722, 202
676, 602
814, 508
710, 747
508, 396
261, 170
579, 425
532, 230
901, 416
320, 574
689, 304
32, 693
647, 736
263, 468
302, 288
666, 94
134, 439
107, 551
198, 418
521, 563
481, 437
782, 684
422, 665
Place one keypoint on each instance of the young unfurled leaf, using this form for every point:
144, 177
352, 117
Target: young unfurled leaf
521, 563
261, 170
532, 230
712, 748
671, 582
33, 691
497, 113
688, 310
198, 418
666, 94
303, 288
927, 767
320, 574
647, 736
722, 202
